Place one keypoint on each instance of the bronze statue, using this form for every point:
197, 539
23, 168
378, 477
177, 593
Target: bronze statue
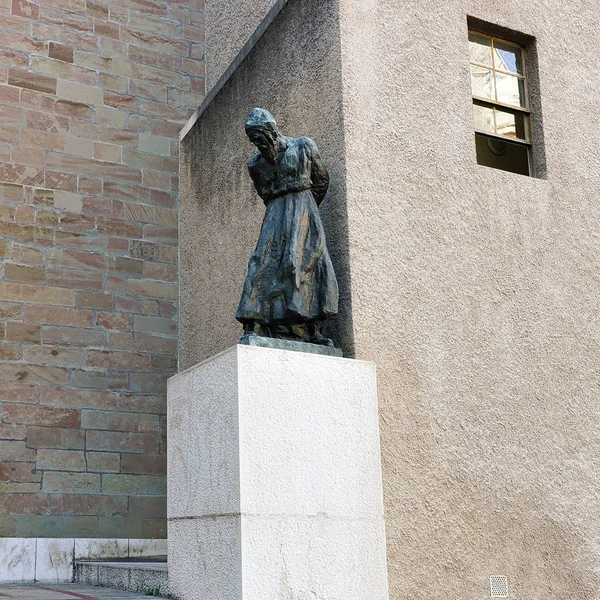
291, 287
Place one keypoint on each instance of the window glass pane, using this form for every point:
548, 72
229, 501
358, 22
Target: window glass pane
510, 90
507, 58
510, 124
484, 118
480, 49
482, 82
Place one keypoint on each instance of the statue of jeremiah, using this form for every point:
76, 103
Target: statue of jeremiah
291, 287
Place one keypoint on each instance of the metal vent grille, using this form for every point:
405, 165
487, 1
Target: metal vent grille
498, 586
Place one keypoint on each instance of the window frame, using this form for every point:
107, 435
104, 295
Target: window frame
493, 104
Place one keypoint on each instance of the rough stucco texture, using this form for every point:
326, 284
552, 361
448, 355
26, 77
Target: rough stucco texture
229, 24
474, 290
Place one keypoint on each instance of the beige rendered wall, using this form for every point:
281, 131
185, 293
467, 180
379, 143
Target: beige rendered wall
474, 290
229, 24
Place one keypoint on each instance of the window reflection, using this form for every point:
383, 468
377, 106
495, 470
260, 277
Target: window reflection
510, 89
508, 58
500, 114
480, 49
483, 118
506, 124
482, 82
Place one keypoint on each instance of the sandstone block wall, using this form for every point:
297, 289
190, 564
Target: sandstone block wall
92, 96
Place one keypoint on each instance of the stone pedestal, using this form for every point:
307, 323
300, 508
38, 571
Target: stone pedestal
274, 479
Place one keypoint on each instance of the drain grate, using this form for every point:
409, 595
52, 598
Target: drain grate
498, 586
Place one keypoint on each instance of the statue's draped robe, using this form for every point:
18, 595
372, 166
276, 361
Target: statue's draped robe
290, 276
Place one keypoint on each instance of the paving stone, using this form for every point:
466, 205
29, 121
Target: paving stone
67, 591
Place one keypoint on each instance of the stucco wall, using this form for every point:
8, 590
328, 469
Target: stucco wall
229, 24
474, 290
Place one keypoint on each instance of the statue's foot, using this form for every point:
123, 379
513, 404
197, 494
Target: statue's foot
249, 329
293, 332
321, 340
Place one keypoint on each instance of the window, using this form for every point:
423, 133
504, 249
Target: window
500, 104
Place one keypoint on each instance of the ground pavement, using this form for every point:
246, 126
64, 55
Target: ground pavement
64, 591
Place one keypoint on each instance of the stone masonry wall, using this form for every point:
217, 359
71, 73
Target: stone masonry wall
92, 96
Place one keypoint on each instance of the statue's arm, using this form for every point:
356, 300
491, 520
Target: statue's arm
318, 172
254, 175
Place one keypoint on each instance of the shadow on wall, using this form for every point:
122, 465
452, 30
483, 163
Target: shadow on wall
295, 72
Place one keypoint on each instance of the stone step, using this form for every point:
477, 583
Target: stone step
148, 576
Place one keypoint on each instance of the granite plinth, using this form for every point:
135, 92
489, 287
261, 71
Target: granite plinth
275, 478
279, 344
